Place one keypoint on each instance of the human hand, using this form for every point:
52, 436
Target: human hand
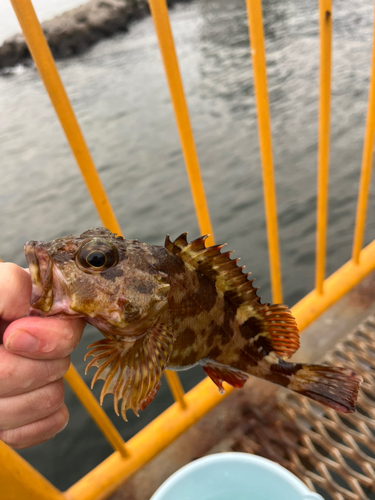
34, 356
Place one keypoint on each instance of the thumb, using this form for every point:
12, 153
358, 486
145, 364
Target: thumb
43, 338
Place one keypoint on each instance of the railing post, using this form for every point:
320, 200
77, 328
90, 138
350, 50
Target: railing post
325, 25
163, 30
256, 35
367, 155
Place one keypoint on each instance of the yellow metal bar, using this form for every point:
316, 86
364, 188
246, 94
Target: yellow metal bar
366, 162
175, 387
108, 476
19, 480
254, 12
163, 30
325, 24
47, 68
101, 419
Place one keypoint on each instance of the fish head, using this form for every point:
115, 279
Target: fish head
99, 276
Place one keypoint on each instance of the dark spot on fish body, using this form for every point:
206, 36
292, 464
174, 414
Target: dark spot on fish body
328, 15
188, 336
212, 335
251, 327
143, 287
229, 315
112, 273
207, 291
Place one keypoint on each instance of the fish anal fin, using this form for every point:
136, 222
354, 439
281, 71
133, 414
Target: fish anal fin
220, 373
131, 370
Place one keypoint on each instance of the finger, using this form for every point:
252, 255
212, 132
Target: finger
15, 291
36, 432
43, 338
17, 411
19, 374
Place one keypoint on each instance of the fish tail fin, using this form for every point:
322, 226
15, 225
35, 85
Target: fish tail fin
333, 386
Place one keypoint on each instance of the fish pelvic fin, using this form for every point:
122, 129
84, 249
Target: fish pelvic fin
275, 323
131, 370
333, 386
220, 373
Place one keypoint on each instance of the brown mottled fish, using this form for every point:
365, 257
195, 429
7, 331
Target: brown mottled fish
173, 307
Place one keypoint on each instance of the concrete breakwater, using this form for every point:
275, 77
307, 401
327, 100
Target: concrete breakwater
76, 30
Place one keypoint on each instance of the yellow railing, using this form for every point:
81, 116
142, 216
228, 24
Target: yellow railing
18, 479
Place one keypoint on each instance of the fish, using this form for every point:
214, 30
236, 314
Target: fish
173, 307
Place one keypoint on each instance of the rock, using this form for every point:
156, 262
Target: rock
76, 30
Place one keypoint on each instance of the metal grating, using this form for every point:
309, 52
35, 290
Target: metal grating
333, 453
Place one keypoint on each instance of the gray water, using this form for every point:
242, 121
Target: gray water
119, 94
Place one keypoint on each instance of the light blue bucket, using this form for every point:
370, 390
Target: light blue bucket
233, 476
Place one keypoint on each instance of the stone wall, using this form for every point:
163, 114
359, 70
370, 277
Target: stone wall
76, 30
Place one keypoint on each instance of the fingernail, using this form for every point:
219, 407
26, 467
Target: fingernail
22, 341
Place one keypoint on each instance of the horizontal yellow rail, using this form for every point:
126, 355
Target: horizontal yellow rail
108, 476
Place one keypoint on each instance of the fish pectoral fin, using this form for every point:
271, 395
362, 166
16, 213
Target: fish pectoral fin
132, 370
220, 373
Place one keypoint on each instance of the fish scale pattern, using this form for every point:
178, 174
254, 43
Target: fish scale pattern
335, 454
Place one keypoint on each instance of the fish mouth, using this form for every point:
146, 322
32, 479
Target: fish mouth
40, 266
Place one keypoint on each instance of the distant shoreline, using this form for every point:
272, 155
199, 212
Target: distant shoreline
76, 30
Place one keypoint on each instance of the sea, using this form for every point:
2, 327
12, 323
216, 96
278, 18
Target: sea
119, 94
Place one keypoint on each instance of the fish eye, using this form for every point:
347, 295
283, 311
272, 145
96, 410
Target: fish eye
97, 258
96, 255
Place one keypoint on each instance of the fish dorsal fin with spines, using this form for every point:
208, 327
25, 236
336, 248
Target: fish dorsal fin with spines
279, 325
131, 370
